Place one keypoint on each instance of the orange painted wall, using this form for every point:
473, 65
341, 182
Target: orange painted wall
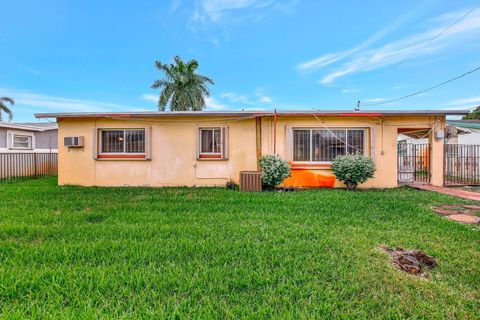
310, 179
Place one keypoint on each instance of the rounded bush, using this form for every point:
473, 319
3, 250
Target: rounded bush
274, 170
353, 169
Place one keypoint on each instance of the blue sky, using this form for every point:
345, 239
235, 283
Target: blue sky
263, 54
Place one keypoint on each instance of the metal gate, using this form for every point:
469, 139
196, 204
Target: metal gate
461, 164
413, 163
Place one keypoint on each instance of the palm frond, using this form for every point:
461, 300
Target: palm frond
4, 108
159, 84
205, 79
7, 99
165, 96
192, 65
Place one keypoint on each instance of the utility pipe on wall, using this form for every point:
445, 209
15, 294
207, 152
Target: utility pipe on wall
258, 131
275, 131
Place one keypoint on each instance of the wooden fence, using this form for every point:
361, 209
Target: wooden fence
15, 166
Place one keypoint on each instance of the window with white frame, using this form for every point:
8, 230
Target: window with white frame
323, 145
122, 141
21, 141
212, 143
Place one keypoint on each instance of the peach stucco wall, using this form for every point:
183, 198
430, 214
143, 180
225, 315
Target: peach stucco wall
173, 154
174, 162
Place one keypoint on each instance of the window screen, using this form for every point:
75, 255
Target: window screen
22, 141
320, 145
123, 141
210, 141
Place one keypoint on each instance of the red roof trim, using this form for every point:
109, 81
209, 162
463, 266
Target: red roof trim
346, 114
121, 156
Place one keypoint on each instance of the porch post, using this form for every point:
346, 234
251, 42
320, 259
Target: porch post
436, 155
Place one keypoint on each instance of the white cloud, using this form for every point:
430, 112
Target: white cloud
149, 97
257, 98
330, 58
321, 61
214, 105
373, 100
266, 100
463, 104
46, 103
211, 103
262, 97
236, 98
222, 10
31, 69
472, 100
361, 59
216, 9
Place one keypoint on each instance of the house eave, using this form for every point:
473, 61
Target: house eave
23, 127
252, 113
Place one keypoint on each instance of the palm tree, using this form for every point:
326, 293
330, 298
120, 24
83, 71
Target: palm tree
5, 108
184, 89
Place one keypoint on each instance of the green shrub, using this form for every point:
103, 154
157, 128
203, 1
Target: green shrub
353, 169
274, 170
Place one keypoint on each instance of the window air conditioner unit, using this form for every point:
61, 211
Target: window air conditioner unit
73, 142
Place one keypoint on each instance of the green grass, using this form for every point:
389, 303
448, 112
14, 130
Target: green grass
72, 252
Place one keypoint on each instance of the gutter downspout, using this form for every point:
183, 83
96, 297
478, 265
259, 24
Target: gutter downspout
275, 131
258, 127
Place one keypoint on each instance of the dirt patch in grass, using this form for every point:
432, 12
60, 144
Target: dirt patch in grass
411, 261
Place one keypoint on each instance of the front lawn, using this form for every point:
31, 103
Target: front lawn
72, 252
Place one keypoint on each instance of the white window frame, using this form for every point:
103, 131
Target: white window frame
212, 129
223, 154
292, 147
100, 141
11, 139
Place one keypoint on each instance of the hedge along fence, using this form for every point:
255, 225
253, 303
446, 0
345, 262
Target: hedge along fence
15, 166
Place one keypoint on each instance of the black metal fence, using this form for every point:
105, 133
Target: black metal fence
413, 163
461, 164
15, 166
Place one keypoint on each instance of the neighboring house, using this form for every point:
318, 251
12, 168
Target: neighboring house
456, 132
211, 148
463, 132
28, 137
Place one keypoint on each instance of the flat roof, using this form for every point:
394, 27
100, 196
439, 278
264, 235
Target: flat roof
29, 126
252, 113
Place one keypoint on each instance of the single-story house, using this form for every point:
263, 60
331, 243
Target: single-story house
210, 148
28, 137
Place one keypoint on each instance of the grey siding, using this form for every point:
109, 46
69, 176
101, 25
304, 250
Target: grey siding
46, 139
3, 137
43, 139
